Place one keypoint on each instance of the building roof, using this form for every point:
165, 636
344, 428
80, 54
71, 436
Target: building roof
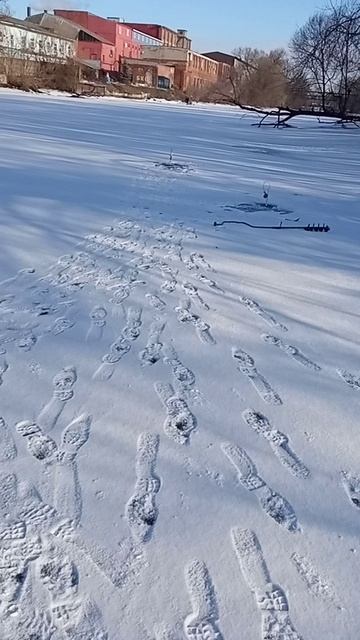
137, 25
95, 65
142, 33
63, 27
28, 26
220, 54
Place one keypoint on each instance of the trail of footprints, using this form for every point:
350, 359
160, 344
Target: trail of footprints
8, 450
256, 308
270, 598
3, 369
318, 585
202, 622
291, 351
180, 421
26, 538
61, 460
76, 616
185, 315
271, 502
184, 379
29, 552
48, 536
121, 346
351, 485
152, 352
52, 526
97, 324
246, 366
141, 510
350, 379
278, 442
163, 632
63, 384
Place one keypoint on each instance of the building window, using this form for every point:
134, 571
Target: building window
69, 50
23, 42
111, 53
31, 43
61, 49
12, 42
86, 37
41, 45
55, 49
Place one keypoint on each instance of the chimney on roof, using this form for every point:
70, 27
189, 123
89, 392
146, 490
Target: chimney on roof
182, 32
28, 12
113, 18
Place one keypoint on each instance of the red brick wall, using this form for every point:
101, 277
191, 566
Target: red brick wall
116, 32
98, 51
200, 72
80, 17
168, 37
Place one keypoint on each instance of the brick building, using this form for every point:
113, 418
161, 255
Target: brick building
168, 37
193, 71
225, 61
148, 74
124, 42
224, 58
114, 46
90, 47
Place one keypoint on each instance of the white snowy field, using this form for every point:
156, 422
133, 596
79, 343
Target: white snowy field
179, 431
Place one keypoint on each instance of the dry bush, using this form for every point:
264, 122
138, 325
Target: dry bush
63, 77
31, 75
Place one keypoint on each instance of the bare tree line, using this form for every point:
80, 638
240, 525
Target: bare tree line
320, 73
326, 52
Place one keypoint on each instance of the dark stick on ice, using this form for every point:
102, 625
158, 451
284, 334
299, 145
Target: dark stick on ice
316, 228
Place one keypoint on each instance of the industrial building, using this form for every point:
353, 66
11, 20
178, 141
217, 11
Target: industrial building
139, 53
24, 40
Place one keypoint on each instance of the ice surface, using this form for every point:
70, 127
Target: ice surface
108, 262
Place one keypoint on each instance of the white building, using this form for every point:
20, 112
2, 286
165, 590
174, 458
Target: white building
23, 40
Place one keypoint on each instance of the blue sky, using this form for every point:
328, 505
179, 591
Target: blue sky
213, 24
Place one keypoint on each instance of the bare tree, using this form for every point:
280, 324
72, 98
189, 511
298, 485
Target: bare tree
326, 50
347, 32
4, 8
258, 78
321, 78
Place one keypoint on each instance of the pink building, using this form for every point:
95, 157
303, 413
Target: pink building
119, 41
98, 51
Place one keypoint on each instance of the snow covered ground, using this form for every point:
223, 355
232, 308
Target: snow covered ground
179, 441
